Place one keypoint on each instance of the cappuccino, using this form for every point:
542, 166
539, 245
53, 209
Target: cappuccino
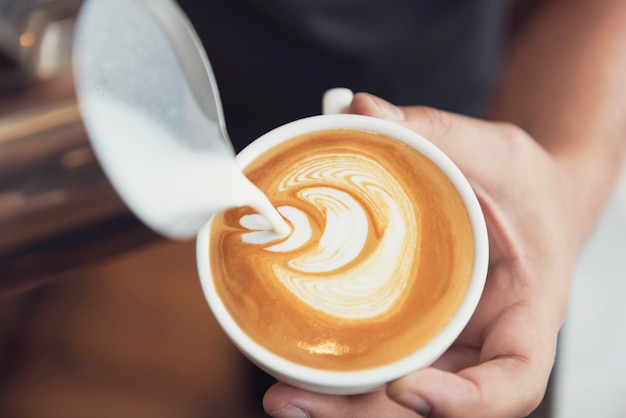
378, 260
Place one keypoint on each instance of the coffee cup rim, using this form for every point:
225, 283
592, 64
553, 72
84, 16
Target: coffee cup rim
356, 381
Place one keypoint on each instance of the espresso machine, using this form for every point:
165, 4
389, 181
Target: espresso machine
58, 211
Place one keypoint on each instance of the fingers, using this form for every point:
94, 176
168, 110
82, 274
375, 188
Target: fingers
467, 394
481, 149
432, 123
458, 357
370, 105
461, 138
284, 401
510, 380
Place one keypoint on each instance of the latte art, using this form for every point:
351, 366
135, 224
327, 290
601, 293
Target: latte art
327, 272
377, 261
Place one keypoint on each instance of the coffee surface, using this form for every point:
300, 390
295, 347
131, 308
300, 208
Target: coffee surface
378, 260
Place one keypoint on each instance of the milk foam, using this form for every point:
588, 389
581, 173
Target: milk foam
263, 233
174, 176
334, 273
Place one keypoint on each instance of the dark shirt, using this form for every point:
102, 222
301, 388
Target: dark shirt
273, 59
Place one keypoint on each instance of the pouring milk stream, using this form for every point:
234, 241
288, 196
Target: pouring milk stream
152, 111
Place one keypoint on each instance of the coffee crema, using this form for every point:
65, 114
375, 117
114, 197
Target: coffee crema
378, 260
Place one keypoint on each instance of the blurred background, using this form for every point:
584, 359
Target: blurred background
99, 317
590, 376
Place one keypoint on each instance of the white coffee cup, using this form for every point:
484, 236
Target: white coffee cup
358, 381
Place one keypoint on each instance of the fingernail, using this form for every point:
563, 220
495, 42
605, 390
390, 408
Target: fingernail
388, 110
416, 403
290, 411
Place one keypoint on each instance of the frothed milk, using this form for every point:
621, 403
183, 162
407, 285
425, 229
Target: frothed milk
170, 174
378, 260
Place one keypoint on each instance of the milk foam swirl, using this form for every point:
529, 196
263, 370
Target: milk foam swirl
359, 265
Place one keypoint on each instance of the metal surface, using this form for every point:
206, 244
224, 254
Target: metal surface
57, 209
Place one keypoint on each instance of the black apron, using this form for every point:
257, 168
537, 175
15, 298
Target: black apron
273, 59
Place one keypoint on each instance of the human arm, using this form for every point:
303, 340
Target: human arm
565, 84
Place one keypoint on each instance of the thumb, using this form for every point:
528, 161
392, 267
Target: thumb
436, 125
473, 144
370, 105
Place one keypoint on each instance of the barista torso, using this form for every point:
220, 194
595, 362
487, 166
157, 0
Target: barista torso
273, 59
